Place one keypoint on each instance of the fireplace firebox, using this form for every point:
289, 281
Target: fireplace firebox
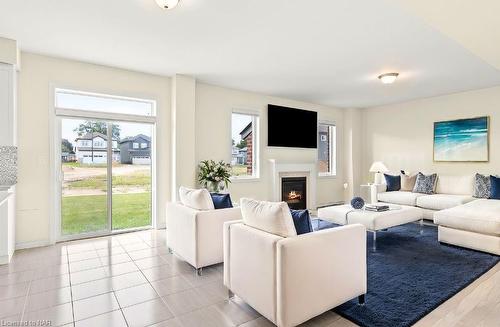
293, 192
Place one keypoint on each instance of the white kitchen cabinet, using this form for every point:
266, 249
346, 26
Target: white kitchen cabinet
7, 225
8, 111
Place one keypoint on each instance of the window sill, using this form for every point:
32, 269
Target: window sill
248, 179
327, 176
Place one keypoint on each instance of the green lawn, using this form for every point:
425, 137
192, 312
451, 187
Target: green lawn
238, 170
87, 213
99, 182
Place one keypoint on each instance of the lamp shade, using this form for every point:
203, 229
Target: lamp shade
378, 167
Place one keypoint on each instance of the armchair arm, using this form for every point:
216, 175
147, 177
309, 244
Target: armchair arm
181, 230
318, 271
209, 234
196, 235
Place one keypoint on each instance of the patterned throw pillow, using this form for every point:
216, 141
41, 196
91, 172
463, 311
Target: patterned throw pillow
425, 184
482, 186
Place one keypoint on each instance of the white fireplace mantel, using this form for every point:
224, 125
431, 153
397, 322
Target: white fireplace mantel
288, 169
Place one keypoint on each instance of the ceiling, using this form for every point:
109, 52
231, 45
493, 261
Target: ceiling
327, 51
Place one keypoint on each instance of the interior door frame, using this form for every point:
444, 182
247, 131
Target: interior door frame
56, 177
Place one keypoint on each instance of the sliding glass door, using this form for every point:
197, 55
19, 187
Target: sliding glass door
84, 205
106, 170
131, 177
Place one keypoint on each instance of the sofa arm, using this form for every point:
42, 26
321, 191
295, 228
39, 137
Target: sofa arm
319, 271
381, 188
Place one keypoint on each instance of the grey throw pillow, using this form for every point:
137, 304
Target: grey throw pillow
482, 186
408, 182
425, 184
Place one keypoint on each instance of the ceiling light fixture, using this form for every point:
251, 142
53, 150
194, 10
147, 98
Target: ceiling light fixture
388, 78
167, 4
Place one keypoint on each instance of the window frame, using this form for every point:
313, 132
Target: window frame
332, 151
255, 144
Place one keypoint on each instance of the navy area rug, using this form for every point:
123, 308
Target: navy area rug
410, 274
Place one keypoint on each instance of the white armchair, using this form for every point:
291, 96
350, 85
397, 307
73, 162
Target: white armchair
196, 235
291, 280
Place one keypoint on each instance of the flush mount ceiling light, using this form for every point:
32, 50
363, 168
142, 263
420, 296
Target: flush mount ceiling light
388, 78
167, 4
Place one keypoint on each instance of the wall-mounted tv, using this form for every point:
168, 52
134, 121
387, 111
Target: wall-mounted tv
292, 128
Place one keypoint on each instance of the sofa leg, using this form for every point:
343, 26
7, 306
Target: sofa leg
199, 271
361, 299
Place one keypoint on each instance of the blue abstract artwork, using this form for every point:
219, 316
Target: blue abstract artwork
461, 140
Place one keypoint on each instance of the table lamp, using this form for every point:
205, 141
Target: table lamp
378, 168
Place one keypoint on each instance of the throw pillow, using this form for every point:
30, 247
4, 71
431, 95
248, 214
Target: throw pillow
302, 221
196, 199
271, 217
393, 182
221, 201
425, 184
408, 182
482, 186
495, 187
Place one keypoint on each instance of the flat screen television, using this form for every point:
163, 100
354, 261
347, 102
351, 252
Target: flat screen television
292, 128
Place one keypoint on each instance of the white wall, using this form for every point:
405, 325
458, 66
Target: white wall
401, 135
211, 122
214, 106
183, 133
37, 74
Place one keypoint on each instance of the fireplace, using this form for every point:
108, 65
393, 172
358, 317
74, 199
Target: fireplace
293, 192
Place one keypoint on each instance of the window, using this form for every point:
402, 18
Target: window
144, 145
327, 153
135, 145
244, 150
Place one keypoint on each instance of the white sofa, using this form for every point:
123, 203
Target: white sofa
474, 225
196, 235
462, 219
451, 191
291, 280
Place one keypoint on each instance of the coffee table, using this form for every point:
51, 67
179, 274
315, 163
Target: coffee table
373, 221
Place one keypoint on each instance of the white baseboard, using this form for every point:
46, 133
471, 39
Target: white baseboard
5, 259
32, 244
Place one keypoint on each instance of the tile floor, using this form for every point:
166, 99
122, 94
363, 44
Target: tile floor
123, 280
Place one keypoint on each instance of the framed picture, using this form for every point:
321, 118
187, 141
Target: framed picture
462, 140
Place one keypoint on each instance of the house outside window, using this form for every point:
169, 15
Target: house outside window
327, 151
135, 145
244, 149
144, 145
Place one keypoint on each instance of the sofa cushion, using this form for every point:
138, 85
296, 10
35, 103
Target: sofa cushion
271, 217
302, 221
196, 199
482, 186
480, 216
425, 184
408, 182
458, 185
221, 201
399, 197
393, 182
442, 201
495, 187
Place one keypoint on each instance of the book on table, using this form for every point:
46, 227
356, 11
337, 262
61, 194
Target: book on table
377, 207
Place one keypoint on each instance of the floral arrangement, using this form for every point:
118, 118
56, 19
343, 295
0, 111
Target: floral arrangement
215, 176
